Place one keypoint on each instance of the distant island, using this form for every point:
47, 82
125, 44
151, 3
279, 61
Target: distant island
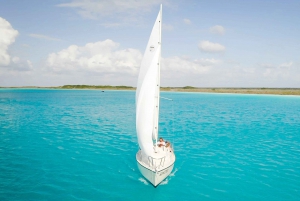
107, 87
277, 91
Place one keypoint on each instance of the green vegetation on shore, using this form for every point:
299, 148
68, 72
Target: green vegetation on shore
277, 91
189, 87
96, 87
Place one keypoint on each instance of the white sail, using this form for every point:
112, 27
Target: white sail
147, 92
154, 165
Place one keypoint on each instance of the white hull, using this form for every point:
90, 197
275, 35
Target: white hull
155, 170
155, 177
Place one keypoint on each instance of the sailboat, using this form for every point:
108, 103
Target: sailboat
154, 162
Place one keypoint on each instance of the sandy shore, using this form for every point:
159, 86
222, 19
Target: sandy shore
276, 91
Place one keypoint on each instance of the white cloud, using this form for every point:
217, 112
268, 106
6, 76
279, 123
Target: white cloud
40, 36
94, 8
218, 29
286, 65
99, 57
167, 27
112, 25
207, 46
186, 65
187, 21
274, 72
7, 37
182, 71
16, 59
18, 64
106, 61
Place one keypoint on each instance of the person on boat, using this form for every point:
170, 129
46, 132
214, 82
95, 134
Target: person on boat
168, 144
161, 142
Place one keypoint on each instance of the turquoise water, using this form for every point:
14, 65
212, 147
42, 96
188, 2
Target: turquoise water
81, 145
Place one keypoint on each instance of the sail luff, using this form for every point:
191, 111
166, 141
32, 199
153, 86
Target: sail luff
147, 93
156, 115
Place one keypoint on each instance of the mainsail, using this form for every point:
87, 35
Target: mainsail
147, 92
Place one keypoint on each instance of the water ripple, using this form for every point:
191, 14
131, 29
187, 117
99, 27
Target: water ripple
81, 145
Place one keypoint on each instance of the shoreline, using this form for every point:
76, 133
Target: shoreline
262, 91
271, 91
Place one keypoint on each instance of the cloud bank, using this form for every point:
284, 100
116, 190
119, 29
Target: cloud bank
207, 46
7, 37
106, 57
105, 61
9, 62
98, 57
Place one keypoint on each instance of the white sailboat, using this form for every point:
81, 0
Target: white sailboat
154, 162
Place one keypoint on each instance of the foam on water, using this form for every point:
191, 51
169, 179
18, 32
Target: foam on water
81, 145
143, 180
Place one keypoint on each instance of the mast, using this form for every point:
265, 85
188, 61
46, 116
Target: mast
148, 89
158, 78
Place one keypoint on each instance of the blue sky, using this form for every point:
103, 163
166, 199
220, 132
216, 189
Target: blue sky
206, 43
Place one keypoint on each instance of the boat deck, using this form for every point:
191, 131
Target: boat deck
161, 159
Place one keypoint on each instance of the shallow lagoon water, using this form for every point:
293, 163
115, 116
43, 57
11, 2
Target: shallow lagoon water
81, 145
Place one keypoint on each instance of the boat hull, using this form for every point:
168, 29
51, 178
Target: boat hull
153, 177
156, 168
